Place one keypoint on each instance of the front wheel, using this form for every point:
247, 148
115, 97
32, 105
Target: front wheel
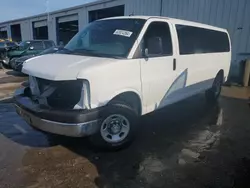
117, 128
213, 94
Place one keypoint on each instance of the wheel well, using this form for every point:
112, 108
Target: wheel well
221, 73
131, 99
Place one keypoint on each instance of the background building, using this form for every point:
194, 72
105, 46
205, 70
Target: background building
61, 25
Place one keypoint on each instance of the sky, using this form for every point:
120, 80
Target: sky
13, 9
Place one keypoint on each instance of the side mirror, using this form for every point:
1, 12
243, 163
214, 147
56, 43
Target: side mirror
154, 46
31, 48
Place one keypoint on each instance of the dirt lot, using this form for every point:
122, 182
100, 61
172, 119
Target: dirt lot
190, 144
9, 81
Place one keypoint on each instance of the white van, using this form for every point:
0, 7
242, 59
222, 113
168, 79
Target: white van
118, 69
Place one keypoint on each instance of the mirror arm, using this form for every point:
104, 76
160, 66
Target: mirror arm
146, 53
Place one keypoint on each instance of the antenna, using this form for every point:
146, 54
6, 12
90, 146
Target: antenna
47, 9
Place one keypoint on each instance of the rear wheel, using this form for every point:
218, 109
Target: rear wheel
117, 127
214, 93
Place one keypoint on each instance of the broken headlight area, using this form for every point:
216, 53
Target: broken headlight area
71, 94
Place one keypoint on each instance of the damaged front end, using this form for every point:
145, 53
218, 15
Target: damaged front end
63, 95
59, 107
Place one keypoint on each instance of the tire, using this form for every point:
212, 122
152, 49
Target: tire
213, 94
118, 127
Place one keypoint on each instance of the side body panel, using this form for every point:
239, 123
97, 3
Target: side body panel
201, 69
110, 80
158, 74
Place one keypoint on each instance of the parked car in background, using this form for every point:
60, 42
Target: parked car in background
5, 46
118, 69
17, 64
29, 47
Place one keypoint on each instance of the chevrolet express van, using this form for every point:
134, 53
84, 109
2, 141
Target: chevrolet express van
118, 69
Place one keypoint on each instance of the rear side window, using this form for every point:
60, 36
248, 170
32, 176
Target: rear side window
38, 45
48, 44
194, 40
158, 32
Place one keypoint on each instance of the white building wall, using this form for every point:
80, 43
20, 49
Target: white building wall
31, 21
82, 18
103, 5
142, 7
230, 14
8, 31
52, 29
26, 30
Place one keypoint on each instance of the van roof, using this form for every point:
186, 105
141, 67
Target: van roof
172, 20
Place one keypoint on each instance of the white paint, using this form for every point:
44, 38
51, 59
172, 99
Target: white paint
150, 79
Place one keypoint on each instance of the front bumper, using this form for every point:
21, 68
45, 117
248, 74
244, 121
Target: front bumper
74, 123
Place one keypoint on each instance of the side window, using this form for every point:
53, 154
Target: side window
194, 40
157, 40
38, 45
48, 44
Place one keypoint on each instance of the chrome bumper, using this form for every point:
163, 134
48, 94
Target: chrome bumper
66, 129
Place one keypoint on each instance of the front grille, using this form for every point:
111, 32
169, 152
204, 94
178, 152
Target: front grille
60, 94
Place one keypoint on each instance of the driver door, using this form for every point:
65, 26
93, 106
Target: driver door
159, 73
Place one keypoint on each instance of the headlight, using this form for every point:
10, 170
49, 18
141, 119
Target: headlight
84, 102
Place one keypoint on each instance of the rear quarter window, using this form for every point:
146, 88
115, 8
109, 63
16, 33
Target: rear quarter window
194, 40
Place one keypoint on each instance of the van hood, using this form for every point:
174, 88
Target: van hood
61, 66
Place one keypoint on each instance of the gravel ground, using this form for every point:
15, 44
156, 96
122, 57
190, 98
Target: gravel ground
9, 81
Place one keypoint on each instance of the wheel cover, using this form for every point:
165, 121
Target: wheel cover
115, 128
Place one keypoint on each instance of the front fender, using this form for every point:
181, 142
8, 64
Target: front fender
111, 79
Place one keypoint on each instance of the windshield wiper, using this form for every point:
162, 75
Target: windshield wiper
64, 51
88, 52
83, 50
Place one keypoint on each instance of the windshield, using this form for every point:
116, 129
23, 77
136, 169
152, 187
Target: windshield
24, 45
106, 38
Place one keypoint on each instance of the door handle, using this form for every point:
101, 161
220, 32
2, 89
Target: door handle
174, 64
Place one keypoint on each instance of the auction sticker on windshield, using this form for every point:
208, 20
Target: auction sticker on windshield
123, 33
